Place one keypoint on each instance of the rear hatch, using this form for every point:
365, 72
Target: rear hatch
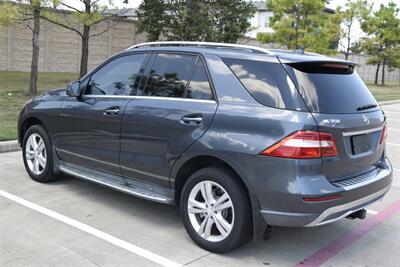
343, 106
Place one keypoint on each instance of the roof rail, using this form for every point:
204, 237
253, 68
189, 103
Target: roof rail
203, 44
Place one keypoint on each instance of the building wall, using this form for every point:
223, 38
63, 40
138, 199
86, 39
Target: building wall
367, 72
260, 23
60, 48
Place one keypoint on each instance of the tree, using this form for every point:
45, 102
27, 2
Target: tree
195, 20
92, 14
27, 11
229, 20
355, 9
383, 43
151, 12
8, 13
303, 24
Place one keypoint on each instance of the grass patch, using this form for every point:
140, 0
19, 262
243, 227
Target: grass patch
390, 91
14, 94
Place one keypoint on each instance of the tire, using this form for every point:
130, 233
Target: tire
38, 169
207, 220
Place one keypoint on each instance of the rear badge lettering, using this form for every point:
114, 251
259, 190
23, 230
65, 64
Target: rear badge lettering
332, 122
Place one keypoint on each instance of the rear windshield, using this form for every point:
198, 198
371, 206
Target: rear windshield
331, 87
267, 82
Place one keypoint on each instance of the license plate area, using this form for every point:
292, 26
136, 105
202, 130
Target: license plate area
360, 144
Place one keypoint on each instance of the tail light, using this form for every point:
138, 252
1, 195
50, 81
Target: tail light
304, 145
383, 134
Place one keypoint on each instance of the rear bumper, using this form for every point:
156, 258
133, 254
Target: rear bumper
329, 215
355, 196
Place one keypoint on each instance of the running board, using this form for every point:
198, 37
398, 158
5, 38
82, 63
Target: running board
138, 189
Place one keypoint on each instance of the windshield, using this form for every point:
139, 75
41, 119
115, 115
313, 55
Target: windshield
331, 88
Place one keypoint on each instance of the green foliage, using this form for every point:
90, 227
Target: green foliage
229, 20
303, 24
383, 42
13, 11
265, 37
92, 14
8, 13
354, 10
151, 18
195, 20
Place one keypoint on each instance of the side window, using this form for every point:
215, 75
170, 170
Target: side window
199, 86
118, 77
267, 82
169, 75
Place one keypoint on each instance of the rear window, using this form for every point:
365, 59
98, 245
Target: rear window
331, 87
267, 82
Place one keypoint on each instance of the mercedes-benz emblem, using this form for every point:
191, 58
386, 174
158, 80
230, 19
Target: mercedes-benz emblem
365, 119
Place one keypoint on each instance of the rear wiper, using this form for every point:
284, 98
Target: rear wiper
368, 106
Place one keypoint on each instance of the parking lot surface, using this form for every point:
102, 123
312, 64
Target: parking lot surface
72, 222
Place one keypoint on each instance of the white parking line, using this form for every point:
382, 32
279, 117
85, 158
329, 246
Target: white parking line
392, 144
93, 231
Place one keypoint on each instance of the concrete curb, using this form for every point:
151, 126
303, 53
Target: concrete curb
8, 146
389, 102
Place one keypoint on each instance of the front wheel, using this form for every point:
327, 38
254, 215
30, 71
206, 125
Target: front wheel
216, 210
38, 155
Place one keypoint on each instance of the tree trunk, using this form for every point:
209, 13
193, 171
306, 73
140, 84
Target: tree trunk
85, 41
35, 52
348, 47
377, 73
297, 33
348, 38
383, 72
85, 51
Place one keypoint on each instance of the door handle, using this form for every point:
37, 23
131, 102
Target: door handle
111, 111
192, 119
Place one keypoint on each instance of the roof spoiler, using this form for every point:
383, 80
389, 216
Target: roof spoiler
329, 67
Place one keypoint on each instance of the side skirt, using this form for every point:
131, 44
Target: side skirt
137, 188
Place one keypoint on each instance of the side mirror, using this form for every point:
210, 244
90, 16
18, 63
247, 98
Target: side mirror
73, 89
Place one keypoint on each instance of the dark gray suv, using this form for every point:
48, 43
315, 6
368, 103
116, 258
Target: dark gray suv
241, 138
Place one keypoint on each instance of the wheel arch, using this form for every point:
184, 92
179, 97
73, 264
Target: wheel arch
196, 163
28, 122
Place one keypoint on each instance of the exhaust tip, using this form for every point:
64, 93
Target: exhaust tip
360, 214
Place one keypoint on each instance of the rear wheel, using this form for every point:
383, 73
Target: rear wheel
215, 210
37, 155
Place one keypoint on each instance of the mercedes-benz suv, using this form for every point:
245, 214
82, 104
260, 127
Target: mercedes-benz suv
241, 138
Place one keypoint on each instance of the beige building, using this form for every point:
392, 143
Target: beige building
60, 48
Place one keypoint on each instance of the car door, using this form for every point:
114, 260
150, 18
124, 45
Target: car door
90, 126
174, 109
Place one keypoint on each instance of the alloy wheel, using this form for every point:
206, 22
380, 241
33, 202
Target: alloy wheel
35, 154
211, 211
